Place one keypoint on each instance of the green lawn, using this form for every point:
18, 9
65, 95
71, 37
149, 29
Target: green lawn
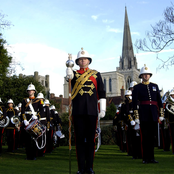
108, 160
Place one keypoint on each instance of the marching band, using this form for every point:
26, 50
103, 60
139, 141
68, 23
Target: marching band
30, 124
36, 125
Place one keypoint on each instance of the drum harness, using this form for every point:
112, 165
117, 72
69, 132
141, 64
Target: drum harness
32, 112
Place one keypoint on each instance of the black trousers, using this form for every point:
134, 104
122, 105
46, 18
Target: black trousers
171, 125
30, 146
85, 127
49, 140
10, 139
1, 138
148, 131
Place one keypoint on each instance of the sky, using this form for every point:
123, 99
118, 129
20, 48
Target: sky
45, 31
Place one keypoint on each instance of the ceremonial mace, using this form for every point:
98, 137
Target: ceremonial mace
69, 63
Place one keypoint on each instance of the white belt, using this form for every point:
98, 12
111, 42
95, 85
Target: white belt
30, 113
42, 118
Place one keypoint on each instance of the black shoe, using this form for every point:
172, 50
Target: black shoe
153, 161
145, 162
80, 172
90, 171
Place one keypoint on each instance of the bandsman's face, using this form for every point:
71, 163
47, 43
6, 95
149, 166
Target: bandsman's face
31, 93
172, 95
83, 62
145, 77
10, 105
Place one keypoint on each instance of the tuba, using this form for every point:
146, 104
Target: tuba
5, 121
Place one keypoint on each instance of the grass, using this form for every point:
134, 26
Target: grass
108, 160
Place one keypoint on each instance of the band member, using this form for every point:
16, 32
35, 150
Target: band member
58, 127
43, 120
148, 95
2, 118
47, 114
21, 133
17, 127
30, 107
51, 130
87, 88
169, 116
10, 129
135, 131
127, 112
117, 127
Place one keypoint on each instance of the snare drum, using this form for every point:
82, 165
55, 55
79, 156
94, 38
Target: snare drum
35, 129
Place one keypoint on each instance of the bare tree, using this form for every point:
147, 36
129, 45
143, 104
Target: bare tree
4, 24
161, 37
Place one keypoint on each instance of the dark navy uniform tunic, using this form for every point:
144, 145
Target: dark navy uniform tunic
85, 97
150, 101
37, 104
85, 102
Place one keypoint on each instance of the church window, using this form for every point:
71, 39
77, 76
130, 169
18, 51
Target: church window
105, 84
110, 85
128, 82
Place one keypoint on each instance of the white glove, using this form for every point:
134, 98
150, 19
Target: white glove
69, 73
132, 122
102, 107
161, 118
137, 121
101, 114
26, 122
34, 117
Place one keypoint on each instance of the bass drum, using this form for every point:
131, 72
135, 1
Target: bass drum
35, 129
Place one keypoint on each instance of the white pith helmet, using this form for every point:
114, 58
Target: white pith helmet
128, 92
19, 105
31, 87
16, 108
119, 106
132, 84
52, 107
172, 92
40, 95
10, 101
82, 53
145, 70
47, 102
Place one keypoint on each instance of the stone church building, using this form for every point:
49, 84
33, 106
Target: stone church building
127, 71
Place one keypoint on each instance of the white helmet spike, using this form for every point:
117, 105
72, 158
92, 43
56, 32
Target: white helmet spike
145, 70
82, 53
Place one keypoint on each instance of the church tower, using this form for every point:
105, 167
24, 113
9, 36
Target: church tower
128, 62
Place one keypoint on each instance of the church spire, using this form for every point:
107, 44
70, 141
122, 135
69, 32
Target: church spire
127, 61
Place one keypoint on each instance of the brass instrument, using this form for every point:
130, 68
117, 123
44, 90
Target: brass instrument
15, 120
4, 122
171, 110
